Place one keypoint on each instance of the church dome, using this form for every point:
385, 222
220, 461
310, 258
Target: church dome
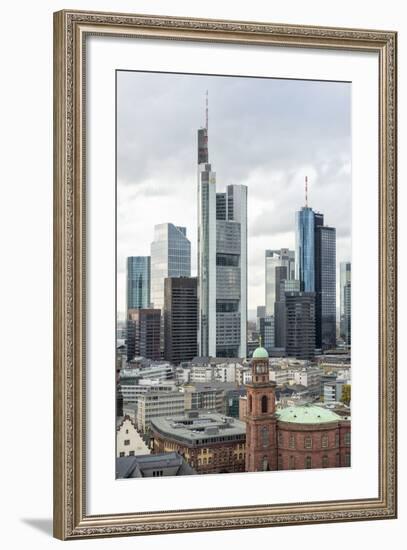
260, 353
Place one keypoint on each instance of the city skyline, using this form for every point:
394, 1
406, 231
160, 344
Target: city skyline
271, 223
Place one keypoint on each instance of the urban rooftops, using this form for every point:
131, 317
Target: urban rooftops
200, 427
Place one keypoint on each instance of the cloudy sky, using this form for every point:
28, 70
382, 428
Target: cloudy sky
267, 134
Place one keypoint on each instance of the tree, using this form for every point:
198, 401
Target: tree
346, 394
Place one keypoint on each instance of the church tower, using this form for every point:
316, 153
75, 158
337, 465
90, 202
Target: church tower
261, 436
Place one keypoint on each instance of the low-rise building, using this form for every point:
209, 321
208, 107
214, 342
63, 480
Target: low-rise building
132, 391
157, 404
209, 442
158, 465
333, 391
128, 441
210, 396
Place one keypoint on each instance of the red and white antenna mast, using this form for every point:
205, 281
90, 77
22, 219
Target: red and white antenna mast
306, 191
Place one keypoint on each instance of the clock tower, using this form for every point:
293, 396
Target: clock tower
261, 436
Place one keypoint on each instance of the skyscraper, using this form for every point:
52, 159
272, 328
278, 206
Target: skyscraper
315, 252
170, 257
143, 333
325, 287
231, 275
274, 259
222, 262
300, 323
345, 284
207, 206
260, 314
180, 319
293, 285
305, 248
138, 282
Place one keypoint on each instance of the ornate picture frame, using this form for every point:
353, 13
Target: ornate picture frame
71, 29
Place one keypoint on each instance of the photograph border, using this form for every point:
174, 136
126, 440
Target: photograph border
71, 28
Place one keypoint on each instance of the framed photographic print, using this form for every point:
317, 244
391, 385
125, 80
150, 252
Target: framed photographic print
225, 274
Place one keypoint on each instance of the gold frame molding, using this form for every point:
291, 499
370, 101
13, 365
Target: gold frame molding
70, 31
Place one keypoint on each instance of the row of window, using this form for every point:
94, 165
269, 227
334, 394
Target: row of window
293, 462
309, 442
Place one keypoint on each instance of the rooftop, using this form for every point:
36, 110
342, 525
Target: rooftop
306, 414
195, 426
143, 465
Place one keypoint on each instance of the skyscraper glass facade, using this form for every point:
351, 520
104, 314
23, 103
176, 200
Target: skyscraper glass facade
345, 282
305, 248
170, 257
138, 282
274, 259
327, 287
222, 263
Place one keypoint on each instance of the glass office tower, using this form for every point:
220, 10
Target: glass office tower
170, 257
274, 259
305, 248
345, 282
326, 287
222, 262
138, 282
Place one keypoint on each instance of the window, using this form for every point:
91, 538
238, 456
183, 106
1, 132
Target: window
127, 441
325, 461
347, 438
127, 431
264, 436
307, 442
280, 462
324, 441
131, 453
347, 459
264, 404
292, 463
265, 464
337, 460
250, 401
122, 453
337, 439
291, 441
280, 438
308, 462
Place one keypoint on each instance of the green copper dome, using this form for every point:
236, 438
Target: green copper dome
260, 353
306, 414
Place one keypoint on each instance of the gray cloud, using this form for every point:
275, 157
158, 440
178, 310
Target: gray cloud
264, 133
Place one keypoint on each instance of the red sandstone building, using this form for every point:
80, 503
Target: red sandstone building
298, 437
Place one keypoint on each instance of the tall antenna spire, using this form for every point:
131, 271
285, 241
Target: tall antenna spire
207, 110
306, 191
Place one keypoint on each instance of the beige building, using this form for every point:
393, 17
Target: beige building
156, 404
128, 440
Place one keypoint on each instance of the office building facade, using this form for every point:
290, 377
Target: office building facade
305, 248
138, 273
143, 333
170, 257
315, 251
300, 324
345, 284
222, 262
325, 286
284, 286
180, 319
273, 260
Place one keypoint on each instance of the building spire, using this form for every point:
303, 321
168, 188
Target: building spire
207, 110
306, 191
